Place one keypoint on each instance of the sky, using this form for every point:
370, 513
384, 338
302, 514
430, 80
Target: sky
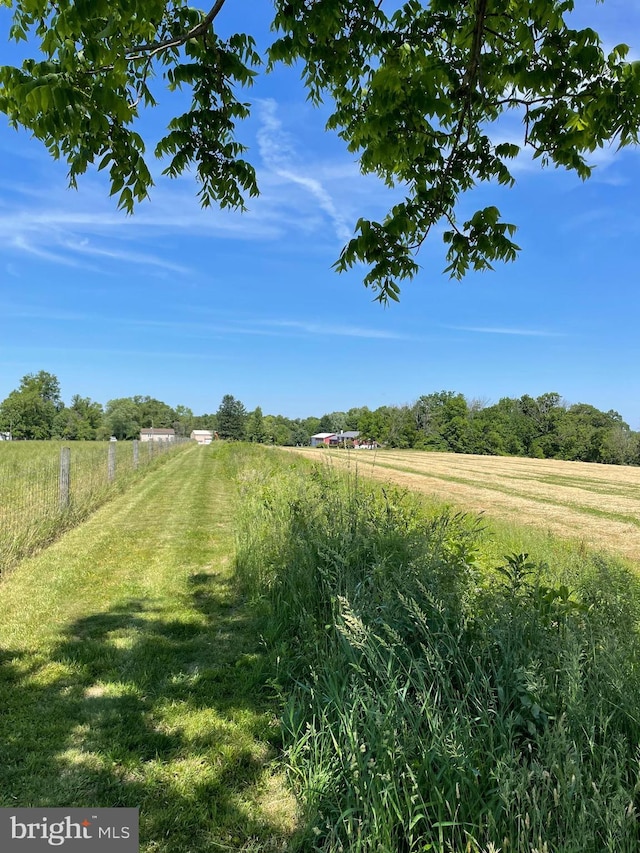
187, 305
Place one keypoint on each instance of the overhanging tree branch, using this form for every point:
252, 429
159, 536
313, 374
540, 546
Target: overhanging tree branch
415, 92
157, 47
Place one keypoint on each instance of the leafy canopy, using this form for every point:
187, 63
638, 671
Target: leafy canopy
416, 96
30, 410
231, 418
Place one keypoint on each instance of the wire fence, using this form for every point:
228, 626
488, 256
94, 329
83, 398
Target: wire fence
47, 487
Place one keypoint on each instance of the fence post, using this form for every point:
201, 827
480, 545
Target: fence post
136, 457
111, 464
64, 479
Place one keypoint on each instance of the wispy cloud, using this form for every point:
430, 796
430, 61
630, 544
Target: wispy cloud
73, 239
70, 228
500, 330
22, 244
229, 327
143, 354
304, 192
28, 312
85, 248
278, 154
332, 330
269, 328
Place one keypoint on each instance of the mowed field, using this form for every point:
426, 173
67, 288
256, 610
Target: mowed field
32, 509
598, 505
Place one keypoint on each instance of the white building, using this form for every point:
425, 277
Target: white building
202, 436
157, 434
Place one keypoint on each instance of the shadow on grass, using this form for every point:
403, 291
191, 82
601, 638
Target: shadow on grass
132, 708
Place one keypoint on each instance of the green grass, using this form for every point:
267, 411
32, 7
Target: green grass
431, 693
132, 673
31, 515
439, 695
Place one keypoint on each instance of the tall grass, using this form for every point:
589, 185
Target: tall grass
31, 513
432, 699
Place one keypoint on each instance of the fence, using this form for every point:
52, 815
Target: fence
46, 487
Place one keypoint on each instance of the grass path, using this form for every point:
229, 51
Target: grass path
130, 672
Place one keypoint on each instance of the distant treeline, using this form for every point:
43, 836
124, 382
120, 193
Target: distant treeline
540, 427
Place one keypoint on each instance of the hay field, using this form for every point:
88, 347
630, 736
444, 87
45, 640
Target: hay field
598, 505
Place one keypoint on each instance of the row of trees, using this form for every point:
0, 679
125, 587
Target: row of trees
35, 410
542, 427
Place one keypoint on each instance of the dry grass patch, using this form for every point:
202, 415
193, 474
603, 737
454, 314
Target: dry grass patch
599, 505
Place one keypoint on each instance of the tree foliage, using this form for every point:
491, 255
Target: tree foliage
231, 418
123, 419
541, 427
255, 430
81, 421
417, 94
30, 411
35, 410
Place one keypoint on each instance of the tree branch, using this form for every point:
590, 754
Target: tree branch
502, 37
194, 32
468, 83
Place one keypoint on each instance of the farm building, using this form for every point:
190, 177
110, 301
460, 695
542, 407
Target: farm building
157, 434
334, 439
321, 438
348, 435
202, 436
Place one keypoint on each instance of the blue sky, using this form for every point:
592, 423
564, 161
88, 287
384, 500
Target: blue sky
187, 305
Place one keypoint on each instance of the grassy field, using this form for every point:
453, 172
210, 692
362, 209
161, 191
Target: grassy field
265, 654
439, 696
596, 505
131, 672
31, 511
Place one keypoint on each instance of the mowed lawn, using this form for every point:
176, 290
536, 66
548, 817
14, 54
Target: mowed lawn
597, 505
131, 673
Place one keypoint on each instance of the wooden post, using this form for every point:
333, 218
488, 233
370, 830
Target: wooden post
136, 456
111, 464
65, 477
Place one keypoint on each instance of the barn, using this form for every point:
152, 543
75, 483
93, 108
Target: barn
322, 438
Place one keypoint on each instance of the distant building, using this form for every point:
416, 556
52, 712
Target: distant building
202, 436
5, 436
349, 435
157, 434
321, 438
335, 439
349, 438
